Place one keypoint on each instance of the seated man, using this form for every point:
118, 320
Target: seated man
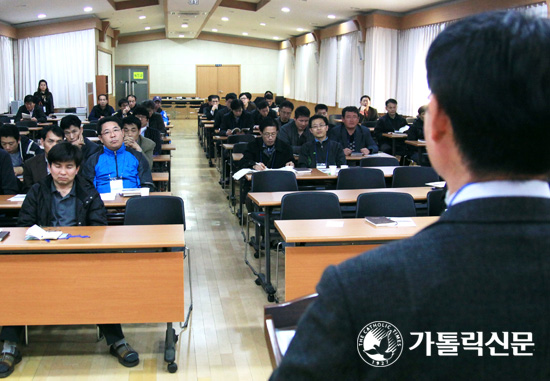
8, 182
132, 138
30, 108
351, 135
74, 134
117, 167
322, 109
123, 109
416, 132
246, 99
215, 107
63, 198
158, 109
367, 113
132, 102
237, 118
262, 111
142, 114
206, 105
391, 122
321, 152
155, 119
465, 298
268, 96
296, 133
267, 152
102, 109
18, 146
36, 168
230, 97
285, 113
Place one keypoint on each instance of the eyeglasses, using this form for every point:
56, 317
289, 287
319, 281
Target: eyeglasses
318, 127
114, 130
269, 134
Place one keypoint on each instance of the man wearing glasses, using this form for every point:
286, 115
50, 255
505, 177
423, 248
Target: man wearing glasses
116, 167
351, 135
321, 152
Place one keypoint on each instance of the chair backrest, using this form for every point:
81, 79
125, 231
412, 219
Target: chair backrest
5, 119
23, 128
233, 139
413, 176
274, 181
360, 178
369, 123
26, 123
310, 206
89, 133
436, 202
240, 147
70, 110
385, 204
90, 126
379, 162
155, 210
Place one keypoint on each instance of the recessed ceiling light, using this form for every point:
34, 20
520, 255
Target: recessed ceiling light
285, 9
275, 37
181, 36
331, 16
185, 25
300, 29
245, 34
42, 16
262, 23
88, 9
142, 17
225, 18
214, 30
147, 27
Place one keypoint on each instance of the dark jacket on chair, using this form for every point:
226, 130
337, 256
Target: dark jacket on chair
37, 113
254, 154
34, 170
327, 152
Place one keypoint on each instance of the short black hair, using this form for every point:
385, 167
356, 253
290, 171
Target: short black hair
65, 152
365, 96
131, 119
103, 95
268, 122
287, 104
140, 110
56, 130
321, 106
29, 98
70, 120
230, 96
489, 74
131, 95
148, 104
350, 109
211, 97
236, 104
248, 95
268, 92
268, 95
315, 117
262, 105
9, 130
422, 109
301, 111
102, 121
122, 101
391, 100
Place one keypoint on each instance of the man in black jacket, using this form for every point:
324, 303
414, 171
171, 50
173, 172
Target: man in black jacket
20, 148
8, 182
74, 134
391, 122
30, 108
263, 111
237, 118
36, 168
155, 119
142, 114
63, 198
322, 152
351, 135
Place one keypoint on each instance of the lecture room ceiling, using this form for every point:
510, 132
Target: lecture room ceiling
260, 19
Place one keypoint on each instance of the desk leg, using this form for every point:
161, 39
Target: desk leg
266, 280
170, 349
223, 174
393, 147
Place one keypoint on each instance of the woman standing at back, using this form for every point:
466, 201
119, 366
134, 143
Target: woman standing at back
44, 97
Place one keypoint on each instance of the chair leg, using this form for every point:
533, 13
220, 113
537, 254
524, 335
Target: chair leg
98, 334
186, 323
26, 338
277, 267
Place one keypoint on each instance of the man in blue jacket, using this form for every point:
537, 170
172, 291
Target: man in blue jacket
116, 167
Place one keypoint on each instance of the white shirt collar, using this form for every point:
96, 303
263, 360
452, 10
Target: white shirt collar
471, 191
142, 131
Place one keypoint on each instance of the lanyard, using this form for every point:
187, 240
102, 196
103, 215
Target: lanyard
450, 201
328, 149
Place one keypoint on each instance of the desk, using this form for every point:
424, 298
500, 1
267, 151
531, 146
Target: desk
268, 200
393, 136
357, 158
304, 265
48, 295
420, 145
168, 160
168, 147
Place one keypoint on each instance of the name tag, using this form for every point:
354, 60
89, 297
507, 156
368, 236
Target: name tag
116, 185
321, 166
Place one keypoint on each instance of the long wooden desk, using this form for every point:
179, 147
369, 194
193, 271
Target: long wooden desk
269, 200
355, 158
304, 265
393, 136
63, 282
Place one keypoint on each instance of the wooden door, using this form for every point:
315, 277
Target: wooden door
218, 80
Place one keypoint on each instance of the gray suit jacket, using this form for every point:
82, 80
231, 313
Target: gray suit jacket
289, 134
147, 148
484, 266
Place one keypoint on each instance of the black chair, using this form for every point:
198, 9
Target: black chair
161, 210
247, 138
239, 147
379, 162
89, 133
26, 123
436, 202
90, 126
369, 123
385, 204
70, 110
413, 176
360, 178
5, 120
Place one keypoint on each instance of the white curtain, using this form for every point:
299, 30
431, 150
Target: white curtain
380, 65
285, 81
6, 73
537, 10
306, 73
350, 70
66, 61
328, 71
412, 85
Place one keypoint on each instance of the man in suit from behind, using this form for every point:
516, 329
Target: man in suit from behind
468, 294
36, 168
